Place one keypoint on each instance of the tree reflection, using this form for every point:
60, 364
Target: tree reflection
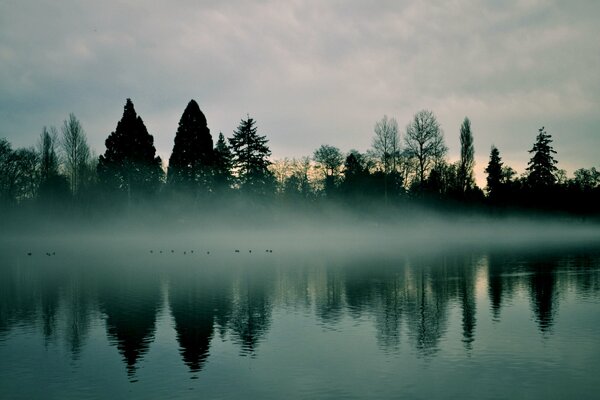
18, 302
542, 287
504, 275
426, 306
251, 314
198, 302
467, 275
79, 304
130, 301
329, 292
413, 296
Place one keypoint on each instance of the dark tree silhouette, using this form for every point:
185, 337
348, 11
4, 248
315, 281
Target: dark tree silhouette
386, 143
192, 157
425, 141
53, 185
386, 147
5, 160
47, 151
467, 157
330, 158
494, 172
355, 173
19, 173
76, 152
542, 166
223, 164
130, 163
250, 158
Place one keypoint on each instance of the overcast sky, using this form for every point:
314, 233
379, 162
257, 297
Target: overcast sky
310, 72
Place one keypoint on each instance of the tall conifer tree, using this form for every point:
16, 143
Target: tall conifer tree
223, 164
250, 158
542, 166
130, 163
494, 171
192, 157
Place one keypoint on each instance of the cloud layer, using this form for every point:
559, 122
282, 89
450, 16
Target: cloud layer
310, 72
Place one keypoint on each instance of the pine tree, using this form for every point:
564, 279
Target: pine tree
494, 171
192, 157
223, 164
250, 158
542, 166
130, 163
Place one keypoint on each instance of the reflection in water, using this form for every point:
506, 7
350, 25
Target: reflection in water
329, 295
411, 298
198, 302
427, 306
251, 314
78, 294
130, 300
542, 282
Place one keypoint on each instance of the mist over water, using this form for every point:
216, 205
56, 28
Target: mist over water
297, 304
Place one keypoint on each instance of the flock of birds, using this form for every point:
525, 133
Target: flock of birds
160, 252
208, 252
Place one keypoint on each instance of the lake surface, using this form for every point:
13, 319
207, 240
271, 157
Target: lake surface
124, 322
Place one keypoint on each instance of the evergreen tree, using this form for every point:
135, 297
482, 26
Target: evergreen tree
467, 157
542, 166
130, 163
495, 175
223, 164
250, 158
192, 157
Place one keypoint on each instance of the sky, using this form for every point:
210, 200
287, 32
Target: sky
310, 72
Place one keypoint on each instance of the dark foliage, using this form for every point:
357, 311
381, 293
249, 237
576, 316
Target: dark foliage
223, 164
190, 165
130, 164
542, 166
251, 159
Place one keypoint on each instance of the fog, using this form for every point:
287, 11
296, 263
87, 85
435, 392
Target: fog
247, 229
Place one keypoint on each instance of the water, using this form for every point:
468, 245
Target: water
122, 323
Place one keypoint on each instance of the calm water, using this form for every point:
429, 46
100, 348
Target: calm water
125, 323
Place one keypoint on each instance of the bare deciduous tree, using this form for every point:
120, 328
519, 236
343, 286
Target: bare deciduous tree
76, 151
386, 144
424, 140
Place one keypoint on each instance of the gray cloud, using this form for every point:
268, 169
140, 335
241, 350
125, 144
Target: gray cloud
311, 72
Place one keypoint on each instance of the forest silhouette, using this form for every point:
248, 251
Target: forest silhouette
63, 175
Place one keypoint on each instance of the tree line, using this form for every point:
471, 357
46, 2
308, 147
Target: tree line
410, 168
